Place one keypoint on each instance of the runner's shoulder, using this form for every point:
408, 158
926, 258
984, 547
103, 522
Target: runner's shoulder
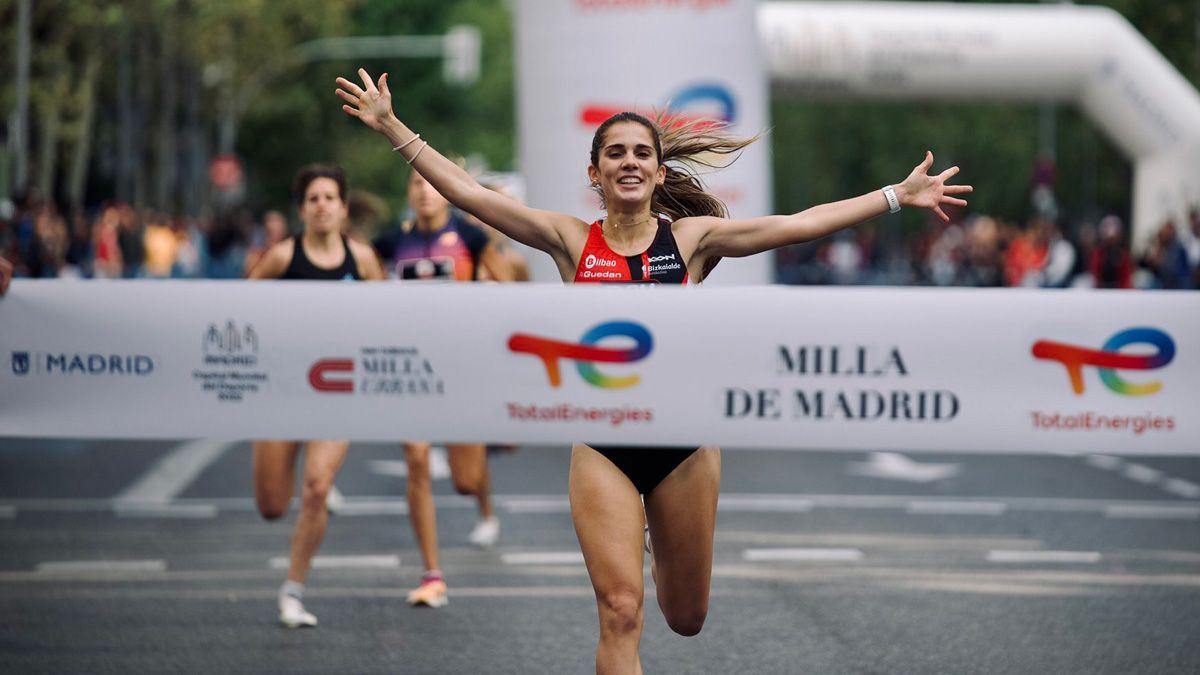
275, 261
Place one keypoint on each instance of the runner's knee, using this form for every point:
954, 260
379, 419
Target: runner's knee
467, 484
621, 611
418, 466
688, 621
315, 492
271, 507
271, 502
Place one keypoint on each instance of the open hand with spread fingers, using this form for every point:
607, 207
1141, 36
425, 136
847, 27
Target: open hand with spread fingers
371, 103
931, 192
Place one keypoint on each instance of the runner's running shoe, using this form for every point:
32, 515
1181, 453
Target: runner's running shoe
292, 613
486, 532
334, 501
431, 592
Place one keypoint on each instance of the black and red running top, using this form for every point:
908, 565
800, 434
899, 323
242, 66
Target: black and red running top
661, 263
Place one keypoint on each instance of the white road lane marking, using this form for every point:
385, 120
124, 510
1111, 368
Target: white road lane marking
439, 465
1181, 487
802, 554
764, 581
174, 472
92, 566
170, 510
389, 467
765, 503
1147, 475
959, 508
1043, 556
543, 558
1009, 589
342, 562
761, 503
1142, 473
895, 466
1164, 512
1105, 462
535, 504
372, 507
268, 592
891, 541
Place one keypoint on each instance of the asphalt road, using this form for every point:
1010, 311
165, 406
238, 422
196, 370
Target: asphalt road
140, 557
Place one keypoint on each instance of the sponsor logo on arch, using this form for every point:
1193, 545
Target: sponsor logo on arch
640, 5
713, 103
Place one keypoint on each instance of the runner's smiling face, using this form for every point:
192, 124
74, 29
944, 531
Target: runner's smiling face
628, 168
323, 210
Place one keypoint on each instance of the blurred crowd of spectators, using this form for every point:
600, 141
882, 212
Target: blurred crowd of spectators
118, 241
983, 250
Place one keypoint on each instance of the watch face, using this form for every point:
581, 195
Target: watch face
425, 269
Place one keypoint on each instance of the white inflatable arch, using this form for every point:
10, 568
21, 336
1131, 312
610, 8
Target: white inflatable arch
1089, 56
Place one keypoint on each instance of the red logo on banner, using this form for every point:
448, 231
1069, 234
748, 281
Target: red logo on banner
318, 376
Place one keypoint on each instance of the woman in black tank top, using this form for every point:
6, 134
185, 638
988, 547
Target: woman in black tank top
640, 169
321, 251
302, 268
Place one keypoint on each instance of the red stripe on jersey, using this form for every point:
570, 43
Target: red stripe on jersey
598, 262
661, 262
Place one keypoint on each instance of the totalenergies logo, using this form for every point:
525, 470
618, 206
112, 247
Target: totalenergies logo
1109, 359
702, 101
585, 353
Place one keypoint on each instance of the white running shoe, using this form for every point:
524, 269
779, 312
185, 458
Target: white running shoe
292, 613
486, 532
334, 499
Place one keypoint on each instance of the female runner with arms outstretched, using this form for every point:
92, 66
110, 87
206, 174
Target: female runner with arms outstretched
629, 169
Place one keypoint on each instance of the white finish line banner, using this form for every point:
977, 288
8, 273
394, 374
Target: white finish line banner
793, 368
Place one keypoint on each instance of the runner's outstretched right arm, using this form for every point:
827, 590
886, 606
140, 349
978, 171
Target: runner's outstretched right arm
372, 104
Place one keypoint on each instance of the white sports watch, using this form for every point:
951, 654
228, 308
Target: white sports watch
893, 203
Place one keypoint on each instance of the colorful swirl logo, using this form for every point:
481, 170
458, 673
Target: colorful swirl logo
585, 353
1108, 360
714, 98
710, 102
